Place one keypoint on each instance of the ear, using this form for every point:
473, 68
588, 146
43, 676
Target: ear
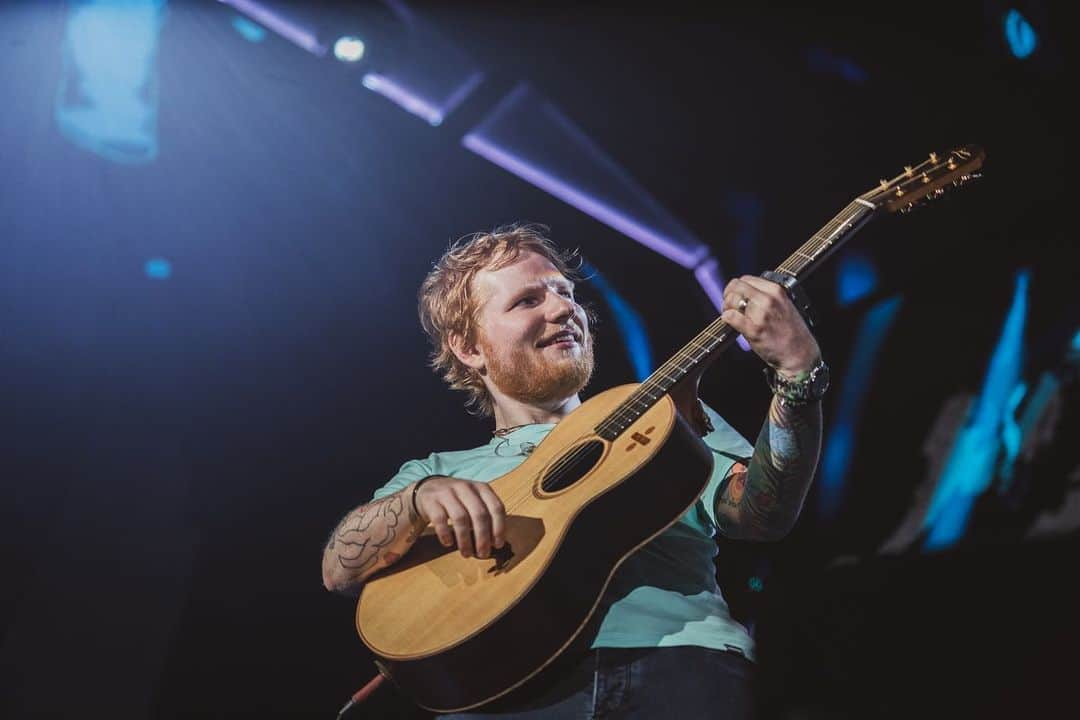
467, 353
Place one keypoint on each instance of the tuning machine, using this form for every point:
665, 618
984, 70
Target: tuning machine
966, 178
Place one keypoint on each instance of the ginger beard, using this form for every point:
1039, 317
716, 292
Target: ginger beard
539, 375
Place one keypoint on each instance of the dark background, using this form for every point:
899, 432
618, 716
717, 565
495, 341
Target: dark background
176, 451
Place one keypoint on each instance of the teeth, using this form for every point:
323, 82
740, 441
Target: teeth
560, 337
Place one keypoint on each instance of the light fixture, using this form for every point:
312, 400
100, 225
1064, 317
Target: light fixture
349, 48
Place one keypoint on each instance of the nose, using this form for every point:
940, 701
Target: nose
561, 309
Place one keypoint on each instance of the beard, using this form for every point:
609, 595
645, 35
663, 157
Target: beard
540, 377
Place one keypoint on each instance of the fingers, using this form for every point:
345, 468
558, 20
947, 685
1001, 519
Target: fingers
766, 286
438, 518
752, 295
466, 513
498, 515
477, 525
460, 525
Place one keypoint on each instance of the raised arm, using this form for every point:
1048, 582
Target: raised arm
763, 501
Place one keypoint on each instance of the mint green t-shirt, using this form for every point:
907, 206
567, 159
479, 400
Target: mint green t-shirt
663, 594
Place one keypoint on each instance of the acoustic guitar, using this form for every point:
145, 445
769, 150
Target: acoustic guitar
454, 633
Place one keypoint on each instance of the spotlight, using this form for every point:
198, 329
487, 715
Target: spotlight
349, 48
158, 268
1019, 34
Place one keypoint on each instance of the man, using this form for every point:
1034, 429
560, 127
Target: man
499, 308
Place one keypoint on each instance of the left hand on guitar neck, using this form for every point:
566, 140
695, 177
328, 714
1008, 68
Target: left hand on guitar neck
764, 314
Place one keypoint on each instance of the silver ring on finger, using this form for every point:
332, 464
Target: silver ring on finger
742, 304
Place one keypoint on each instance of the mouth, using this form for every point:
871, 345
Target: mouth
563, 338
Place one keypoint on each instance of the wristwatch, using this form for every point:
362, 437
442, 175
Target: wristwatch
799, 391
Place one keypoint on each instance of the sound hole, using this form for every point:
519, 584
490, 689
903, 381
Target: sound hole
573, 466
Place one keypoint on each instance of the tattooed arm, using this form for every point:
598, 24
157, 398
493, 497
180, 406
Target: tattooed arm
762, 501
370, 538
464, 513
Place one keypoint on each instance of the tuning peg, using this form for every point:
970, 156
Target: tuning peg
933, 158
909, 171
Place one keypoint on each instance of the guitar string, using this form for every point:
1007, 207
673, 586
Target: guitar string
626, 412
690, 351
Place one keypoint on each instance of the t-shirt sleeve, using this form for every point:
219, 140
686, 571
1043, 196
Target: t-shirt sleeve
727, 445
410, 472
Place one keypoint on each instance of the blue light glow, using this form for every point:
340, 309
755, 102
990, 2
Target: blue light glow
970, 466
349, 49
1019, 34
1012, 434
248, 30
824, 61
711, 279
857, 277
158, 268
840, 437
629, 323
107, 100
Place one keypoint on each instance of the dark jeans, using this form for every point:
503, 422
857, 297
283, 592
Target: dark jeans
668, 682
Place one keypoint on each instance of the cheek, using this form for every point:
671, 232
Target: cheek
583, 321
517, 331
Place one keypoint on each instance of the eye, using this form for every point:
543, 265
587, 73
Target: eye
527, 300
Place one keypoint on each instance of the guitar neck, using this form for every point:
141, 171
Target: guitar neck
715, 338
918, 183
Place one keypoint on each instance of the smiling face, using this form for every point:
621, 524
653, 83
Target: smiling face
533, 341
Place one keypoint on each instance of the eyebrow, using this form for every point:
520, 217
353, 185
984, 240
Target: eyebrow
541, 284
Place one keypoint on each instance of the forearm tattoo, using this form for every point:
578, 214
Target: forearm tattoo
762, 501
374, 536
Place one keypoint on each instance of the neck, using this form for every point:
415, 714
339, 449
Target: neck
510, 412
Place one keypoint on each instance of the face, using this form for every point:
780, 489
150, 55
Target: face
533, 339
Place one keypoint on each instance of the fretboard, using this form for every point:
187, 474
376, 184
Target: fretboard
715, 338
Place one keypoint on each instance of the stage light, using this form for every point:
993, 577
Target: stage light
1019, 35
972, 460
711, 281
248, 30
857, 278
107, 100
349, 49
629, 323
841, 436
531, 137
158, 268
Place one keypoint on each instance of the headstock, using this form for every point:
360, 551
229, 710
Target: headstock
928, 180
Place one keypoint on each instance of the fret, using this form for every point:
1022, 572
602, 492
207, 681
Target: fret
896, 195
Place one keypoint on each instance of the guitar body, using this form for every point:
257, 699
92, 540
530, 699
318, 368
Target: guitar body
456, 632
